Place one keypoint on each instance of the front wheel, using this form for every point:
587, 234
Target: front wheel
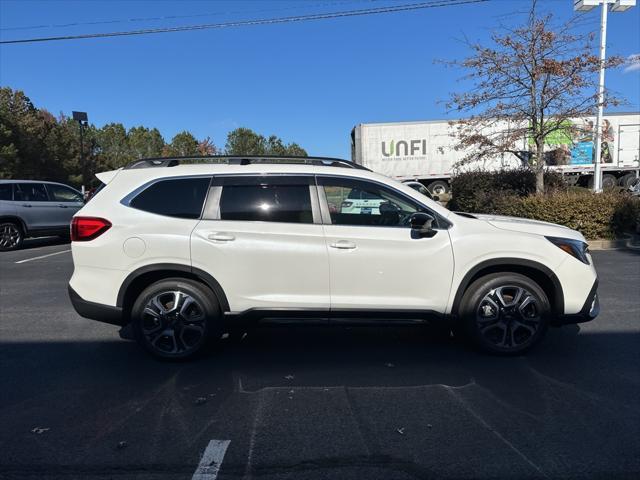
175, 318
504, 313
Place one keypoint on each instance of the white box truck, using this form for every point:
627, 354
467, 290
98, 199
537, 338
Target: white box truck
424, 151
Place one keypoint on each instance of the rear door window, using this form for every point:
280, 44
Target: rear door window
6, 192
60, 193
179, 197
30, 192
266, 199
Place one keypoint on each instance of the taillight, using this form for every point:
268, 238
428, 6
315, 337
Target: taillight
87, 228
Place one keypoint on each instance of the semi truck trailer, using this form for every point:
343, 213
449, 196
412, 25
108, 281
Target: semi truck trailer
426, 151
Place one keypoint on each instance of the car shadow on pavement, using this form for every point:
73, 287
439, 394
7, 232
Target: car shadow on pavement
574, 391
30, 243
321, 357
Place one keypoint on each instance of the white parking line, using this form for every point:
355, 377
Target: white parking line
42, 256
211, 461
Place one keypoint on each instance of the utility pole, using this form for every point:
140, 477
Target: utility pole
616, 6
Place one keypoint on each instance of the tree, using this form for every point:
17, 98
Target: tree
527, 85
182, 145
244, 141
295, 150
145, 142
26, 137
207, 147
113, 147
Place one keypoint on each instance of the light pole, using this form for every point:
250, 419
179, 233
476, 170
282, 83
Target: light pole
616, 6
83, 121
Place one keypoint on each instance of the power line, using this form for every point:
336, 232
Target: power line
265, 21
298, 6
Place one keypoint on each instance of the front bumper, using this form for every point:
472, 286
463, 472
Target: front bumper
589, 311
95, 311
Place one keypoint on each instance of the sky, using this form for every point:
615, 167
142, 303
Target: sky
307, 82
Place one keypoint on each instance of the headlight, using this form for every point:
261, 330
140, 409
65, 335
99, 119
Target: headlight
575, 248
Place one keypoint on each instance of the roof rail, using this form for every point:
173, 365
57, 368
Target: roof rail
243, 160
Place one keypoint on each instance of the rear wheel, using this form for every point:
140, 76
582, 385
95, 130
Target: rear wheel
504, 313
176, 318
11, 236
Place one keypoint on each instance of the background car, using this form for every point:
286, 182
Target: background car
35, 209
419, 187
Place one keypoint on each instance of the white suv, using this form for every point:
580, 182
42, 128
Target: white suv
185, 250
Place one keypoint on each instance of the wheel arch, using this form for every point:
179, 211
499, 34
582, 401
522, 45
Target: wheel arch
539, 273
15, 219
142, 277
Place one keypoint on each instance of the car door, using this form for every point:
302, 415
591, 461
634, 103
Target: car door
261, 238
33, 206
65, 203
374, 261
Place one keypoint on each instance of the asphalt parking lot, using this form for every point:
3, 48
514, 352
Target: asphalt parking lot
76, 401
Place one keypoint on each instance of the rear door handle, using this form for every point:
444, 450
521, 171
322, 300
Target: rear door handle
221, 237
27, 205
343, 245
63, 206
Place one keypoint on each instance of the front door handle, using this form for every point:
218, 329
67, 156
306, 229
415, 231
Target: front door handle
63, 206
343, 245
27, 205
221, 237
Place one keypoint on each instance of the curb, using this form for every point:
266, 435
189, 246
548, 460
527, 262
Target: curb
628, 242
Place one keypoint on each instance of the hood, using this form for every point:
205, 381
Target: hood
526, 225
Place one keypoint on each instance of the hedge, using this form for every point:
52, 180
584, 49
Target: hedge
604, 215
471, 191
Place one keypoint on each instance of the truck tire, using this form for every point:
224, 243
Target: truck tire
608, 181
438, 187
627, 180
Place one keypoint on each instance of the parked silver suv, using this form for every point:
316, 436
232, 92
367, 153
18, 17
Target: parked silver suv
35, 209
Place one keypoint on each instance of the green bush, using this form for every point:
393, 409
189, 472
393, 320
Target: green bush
472, 191
604, 215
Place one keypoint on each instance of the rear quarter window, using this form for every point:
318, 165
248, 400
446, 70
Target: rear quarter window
180, 197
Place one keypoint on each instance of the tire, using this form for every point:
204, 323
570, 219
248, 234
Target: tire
438, 187
609, 182
627, 180
510, 326
11, 236
176, 334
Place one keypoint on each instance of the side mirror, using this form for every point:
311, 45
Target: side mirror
435, 198
421, 225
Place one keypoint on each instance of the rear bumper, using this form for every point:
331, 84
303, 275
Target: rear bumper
589, 311
95, 311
